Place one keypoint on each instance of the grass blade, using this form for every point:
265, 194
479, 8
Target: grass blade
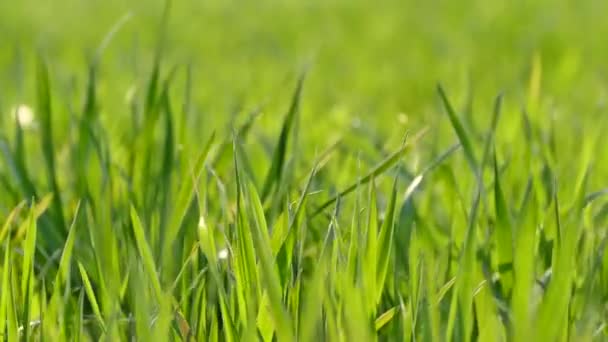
465, 283
63, 276
9, 220
385, 318
91, 295
313, 302
275, 173
146, 255
48, 149
374, 173
272, 284
385, 243
504, 229
6, 291
371, 249
189, 180
523, 266
463, 136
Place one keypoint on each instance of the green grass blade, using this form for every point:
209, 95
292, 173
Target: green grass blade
6, 291
463, 136
504, 229
91, 295
12, 324
285, 253
48, 149
374, 173
27, 280
29, 251
353, 257
314, 296
79, 319
523, 266
146, 255
555, 305
465, 283
271, 283
385, 243
63, 275
386, 318
9, 220
189, 180
371, 249
208, 246
246, 268
492, 131
275, 173
17, 163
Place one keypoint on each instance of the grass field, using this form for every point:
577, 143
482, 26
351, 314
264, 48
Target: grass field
310, 171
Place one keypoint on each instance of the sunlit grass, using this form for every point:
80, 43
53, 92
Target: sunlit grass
139, 220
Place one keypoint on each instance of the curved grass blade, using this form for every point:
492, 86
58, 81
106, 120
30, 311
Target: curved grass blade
283, 322
9, 220
588, 199
63, 276
285, 253
275, 173
246, 269
374, 173
146, 255
91, 295
463, 136
110, 35
553, 312
386, 317
492, 131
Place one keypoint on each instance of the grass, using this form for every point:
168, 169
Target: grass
243, 190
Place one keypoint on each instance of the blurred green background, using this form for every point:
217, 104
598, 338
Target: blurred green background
372, 59
373, 66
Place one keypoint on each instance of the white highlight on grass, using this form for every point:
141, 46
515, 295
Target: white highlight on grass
130, 94
202, 224
24, 115
413, 185
223, 254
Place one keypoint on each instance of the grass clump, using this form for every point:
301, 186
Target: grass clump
151, 220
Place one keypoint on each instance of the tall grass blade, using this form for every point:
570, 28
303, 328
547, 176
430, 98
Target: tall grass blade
47, 145
91, 295
267, 266
275, 173
463, 136
6, 291
504, 230
385, 243
146, 255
